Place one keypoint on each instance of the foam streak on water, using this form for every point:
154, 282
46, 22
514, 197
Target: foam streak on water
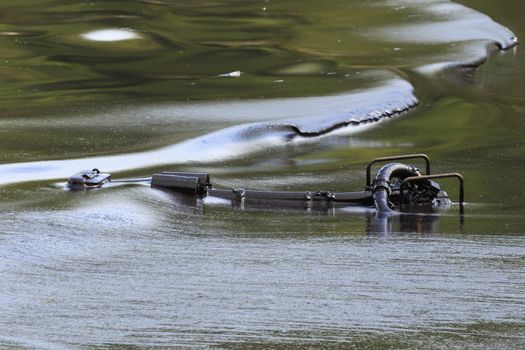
356, 112
466, 30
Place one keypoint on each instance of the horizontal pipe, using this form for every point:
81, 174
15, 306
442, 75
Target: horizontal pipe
363, 197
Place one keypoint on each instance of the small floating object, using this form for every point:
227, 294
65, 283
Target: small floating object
110, 35
87, 179
10, 33
234, 74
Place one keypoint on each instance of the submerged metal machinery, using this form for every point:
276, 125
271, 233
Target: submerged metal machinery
87, 179
397, 187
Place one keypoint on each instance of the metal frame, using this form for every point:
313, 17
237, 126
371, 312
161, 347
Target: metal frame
406, 156
436, 176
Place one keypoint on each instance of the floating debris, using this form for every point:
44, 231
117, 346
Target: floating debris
235, 74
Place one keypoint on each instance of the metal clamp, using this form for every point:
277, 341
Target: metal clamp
324, 195
406, 156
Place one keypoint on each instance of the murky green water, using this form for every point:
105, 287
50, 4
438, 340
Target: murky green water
222, 87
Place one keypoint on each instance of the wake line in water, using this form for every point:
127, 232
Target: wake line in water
358, 111
347, 113
473, 34
368, 118
453, 23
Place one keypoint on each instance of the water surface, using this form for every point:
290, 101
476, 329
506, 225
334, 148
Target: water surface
281, 96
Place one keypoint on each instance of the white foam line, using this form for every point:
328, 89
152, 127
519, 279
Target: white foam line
236, 141
217, 146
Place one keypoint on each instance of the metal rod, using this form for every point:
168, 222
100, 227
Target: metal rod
140, 179
406, 156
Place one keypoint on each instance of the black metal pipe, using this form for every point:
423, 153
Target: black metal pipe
381, 201
381, 187
406, 156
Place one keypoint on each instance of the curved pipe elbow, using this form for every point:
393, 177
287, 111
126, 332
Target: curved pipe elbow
381, 185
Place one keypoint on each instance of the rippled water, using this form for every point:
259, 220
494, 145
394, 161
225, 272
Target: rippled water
267, 95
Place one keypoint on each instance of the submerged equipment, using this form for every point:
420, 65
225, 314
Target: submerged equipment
396, 187
87, 179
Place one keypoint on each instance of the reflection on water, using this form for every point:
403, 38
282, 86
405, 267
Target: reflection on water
157, 270
270, 95
349, 113
111, 35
